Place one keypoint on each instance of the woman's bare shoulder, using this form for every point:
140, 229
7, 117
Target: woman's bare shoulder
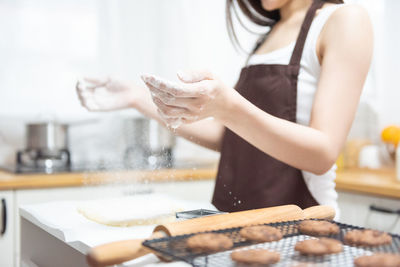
349, 13
349, 17
350, 24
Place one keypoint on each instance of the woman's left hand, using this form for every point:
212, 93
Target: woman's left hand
201, 95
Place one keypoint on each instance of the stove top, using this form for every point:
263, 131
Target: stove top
82, 167
18, 168
96, 167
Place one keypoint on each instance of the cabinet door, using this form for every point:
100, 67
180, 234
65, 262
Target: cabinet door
191, 190
6, 228
356, 210
33, 196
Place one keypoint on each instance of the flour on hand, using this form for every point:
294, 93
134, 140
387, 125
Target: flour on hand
173, 88
103, 94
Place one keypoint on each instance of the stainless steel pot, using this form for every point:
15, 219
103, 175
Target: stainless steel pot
149, 145
47, 137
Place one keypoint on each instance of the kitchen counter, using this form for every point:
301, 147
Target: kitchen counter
10, 181
374, 182
380, 182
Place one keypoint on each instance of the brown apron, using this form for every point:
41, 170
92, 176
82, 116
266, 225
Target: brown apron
247, 177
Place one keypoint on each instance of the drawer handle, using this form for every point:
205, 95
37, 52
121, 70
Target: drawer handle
4, 216
383, 210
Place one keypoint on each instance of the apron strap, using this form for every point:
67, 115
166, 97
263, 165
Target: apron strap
305, 27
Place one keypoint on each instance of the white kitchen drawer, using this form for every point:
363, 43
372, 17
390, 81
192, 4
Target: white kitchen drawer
32, 196
7, 239
355, 209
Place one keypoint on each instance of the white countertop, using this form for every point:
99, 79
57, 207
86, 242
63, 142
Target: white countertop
62, 220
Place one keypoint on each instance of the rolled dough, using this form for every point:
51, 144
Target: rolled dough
134, 210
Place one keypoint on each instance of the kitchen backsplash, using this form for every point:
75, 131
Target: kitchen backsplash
99, 141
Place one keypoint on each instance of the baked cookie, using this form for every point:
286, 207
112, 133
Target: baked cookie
322, 246
209, 242
367, 238
261, 233
255, 256
318, 228
379, 259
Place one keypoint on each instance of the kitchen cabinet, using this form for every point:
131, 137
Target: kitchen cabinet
7, 224
199, 190
355, 210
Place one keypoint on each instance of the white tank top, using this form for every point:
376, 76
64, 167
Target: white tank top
322, 187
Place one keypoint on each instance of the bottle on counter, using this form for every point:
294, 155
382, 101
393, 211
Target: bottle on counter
398, 163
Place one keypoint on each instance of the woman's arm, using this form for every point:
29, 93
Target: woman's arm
345, 49
110, 94
207, 132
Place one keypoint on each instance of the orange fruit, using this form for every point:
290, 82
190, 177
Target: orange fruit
391, 134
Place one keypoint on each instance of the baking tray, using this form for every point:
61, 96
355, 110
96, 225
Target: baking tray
174, 248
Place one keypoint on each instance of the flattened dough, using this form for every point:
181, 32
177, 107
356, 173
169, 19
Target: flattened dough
132, 210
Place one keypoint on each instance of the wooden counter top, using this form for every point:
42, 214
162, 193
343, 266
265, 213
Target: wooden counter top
373, 182
10, 181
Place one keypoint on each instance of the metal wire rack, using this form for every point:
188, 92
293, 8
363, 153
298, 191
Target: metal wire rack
175, 248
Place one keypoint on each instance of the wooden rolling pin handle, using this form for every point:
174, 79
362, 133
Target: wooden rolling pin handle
118, 252
319, 212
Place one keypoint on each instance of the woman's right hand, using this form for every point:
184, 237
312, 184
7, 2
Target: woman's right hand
107, 94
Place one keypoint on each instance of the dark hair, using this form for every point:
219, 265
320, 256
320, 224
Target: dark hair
254, 11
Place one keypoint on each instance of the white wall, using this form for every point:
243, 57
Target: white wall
390, 66
379, 103
46, 45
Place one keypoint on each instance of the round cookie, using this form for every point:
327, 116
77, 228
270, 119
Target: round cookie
367, 238
209, 242
261, 233
318, 228
379, 259
255, 256
322, 246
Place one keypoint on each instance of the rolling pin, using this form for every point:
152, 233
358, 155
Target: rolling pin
121, 251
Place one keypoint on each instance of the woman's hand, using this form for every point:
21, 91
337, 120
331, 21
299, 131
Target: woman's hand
201, 95
108, 94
